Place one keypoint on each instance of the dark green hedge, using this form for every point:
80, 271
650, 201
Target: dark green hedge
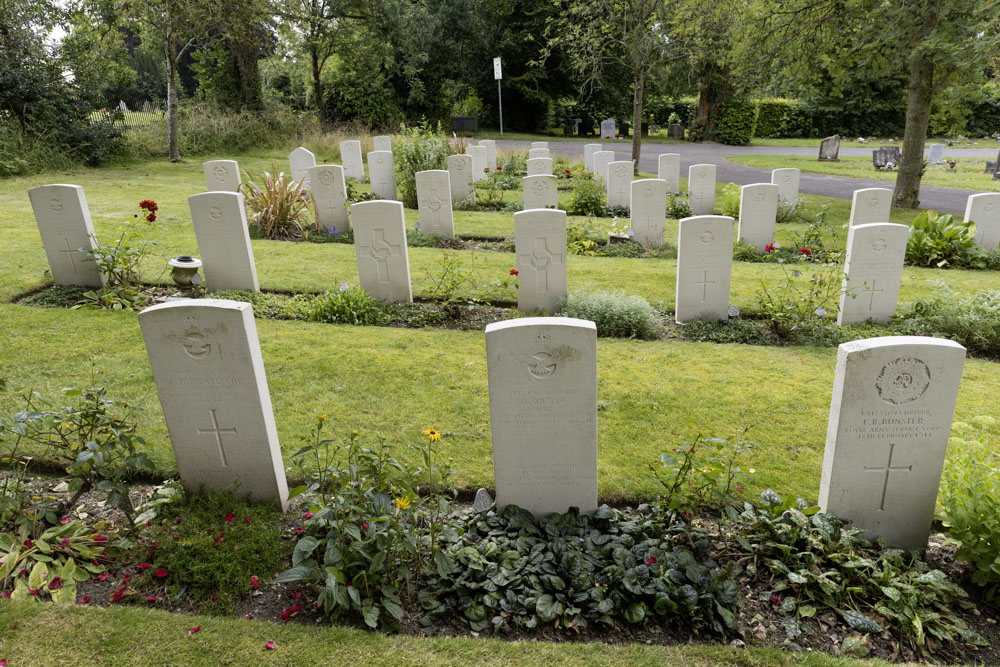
737, 119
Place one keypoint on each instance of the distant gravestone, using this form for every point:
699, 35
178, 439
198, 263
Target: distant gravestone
648, 208
758, 214
829, 149
619, 183
994, 166
478, 154
540, 191
539, 165
350, 158
540, 242
984, 210
220, 225
874, 269
382, 174
608, 128
676, 131
210, 378
329, 195
380, 247
483, 501
701, 189
382, 143
890, 418
64, 222
787, 181
434, 203
543, 413
460, 179
222, 176
935, 154
300, 161
704, 268
669, 170
870, 205
601, 161
538, 153
539, 144
491, 152
588, 156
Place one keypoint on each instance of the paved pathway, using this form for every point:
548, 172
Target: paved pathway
946, 200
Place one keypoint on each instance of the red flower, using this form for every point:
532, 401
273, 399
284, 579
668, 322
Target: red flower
769, 247
100, 538
161, 573
144, 566
269, 645
775, 599
151, 217
64, 543
148, 524
307, 515
194, 629
650, 560
739, 488
150, 598
32, 591
177, 520
246, 521
567, 171
255, 582
296, 595
5, 594
364, 524
85, 599
299, 531
499, 168
55, 584
806, 251
514, 272
29, 543
102, 577
64, 520
229, 517
148, 205
486, 170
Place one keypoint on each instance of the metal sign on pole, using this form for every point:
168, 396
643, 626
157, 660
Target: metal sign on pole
498, 74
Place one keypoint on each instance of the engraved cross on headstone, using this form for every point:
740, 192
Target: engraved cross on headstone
332, 210
704, 282
218, 432
540, 260
888, 469
702, 199
870, 293
72, 255
380, 251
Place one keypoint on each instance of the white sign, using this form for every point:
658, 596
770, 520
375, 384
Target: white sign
496, 69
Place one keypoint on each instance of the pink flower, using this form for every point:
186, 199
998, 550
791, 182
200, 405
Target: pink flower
229, 517
150, 598
650, 560
64, 543
161, 573
255, 582
144, 566
148, 524
269, 645
64, 520
364, 524
102, 577
194, 629
307, 515
299, 531
32, 591
178, 520
100, 538
296, 595
775, 599
85, 599
5, 594
739, 488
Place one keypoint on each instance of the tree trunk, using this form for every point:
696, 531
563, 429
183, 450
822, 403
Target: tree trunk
173, 146
640, 83
247, 67
918, 114
317, 84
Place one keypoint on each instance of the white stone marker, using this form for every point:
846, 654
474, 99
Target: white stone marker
874, 269
222, 175
220, 226
538, 152
601, 161
619, 184
382, 174
434, 203
64, 223
870, 205
543, 413
540, 242
935, 155
648, 209
984, 210
787, 181
329, 195
539, 165
541, 191
539, 144
491, 152
758, 213
704, 267
350, 158
300, 160
608, 128
460, 178
701, 189
669, 170
890, 417
380, 246
588, 155
209, 375
382, 143
478, 154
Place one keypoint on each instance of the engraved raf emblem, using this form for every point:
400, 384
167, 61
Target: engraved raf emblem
220, 173
55, 204
545, 362
199, 343
215, 213
989, 207
872, 202
706, 237
759, 197
647, 193
903, 380
879, 244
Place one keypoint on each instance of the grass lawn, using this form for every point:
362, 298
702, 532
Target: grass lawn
968, 175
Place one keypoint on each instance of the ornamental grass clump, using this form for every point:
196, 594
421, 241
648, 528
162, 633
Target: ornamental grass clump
278, 205
616, 314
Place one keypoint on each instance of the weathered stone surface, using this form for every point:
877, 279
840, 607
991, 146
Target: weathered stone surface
870, 205
787, 181
619, 184
669, 170
540, 192
601, 161
460, 178
380, 247
758, 214
210, 378
608, 128
538, 152
829, 149
874, 269
350, 159
649, 211
890, 418
434, 203
588, 155
701, 189
984, 210
64, 222
935, 154
222, 176
539, 165
382, 174
329, 195
704, 267
382, 143
540, 242
300, 161
478, 154
543, 413
220, 225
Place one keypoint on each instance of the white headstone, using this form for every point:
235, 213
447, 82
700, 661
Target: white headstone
300, 160
539, 144
758, 213
220, 225
380, 246
704, 267
984, 210
540, 242
64, 222
222, 176
701, 189
434, 203
870, 205
383, 143
601, 161
543, 413
619, 184
539, 165
460, 177
382, 174
649, 211
478, 154
329, 195
209, 375
608, 128
491, 152
540, 191
787, 181
670, 171
936, 154
874, 269
350, 158
588, 155
538, 152
890, 418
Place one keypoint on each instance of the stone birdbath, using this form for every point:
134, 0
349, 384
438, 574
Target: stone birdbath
184, 271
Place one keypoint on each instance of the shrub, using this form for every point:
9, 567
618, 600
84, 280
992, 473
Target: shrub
615, 314
940, 240
265, 305
736, 122
348, 305
798, 307
731, 194
588, 198
627, 249
678, 206
582, 237
278, 205
971, 320
423, 147
742, 331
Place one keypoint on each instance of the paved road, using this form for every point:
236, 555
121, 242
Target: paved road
946, 200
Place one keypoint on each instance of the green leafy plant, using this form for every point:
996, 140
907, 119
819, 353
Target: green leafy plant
970, 319
588, 198
278, 204
942, 240
731, 194
705, 474
119, 261
491, 190
678, 206
111, 298
422, 147
799, 307
347, 305
789, 211
581, 237
614, 313
736, 122
451, 277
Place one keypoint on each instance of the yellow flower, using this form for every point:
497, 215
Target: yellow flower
402, 503
322, 418
432, 433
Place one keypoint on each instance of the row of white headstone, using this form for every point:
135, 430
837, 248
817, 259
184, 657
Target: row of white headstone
890, 415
